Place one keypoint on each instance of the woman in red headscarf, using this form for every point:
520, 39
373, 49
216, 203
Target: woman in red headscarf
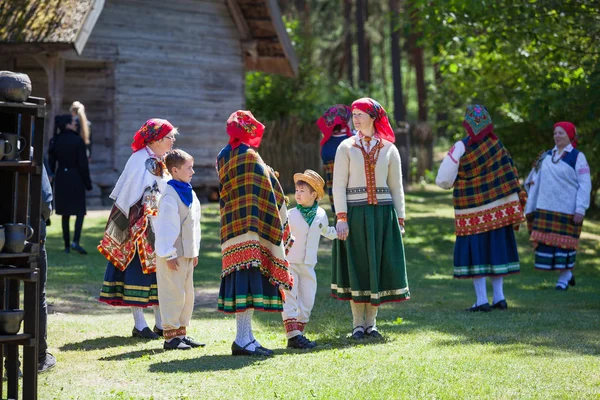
128, 242
255, 235
369, 266
335, 127
559, 188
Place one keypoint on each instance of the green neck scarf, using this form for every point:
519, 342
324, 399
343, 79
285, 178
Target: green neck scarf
308, 213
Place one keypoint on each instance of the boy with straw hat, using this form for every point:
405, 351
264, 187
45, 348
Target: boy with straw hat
308, 222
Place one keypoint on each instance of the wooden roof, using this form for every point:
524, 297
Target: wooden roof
34, 26
267, 46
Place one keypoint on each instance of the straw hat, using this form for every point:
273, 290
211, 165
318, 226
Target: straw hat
314, 180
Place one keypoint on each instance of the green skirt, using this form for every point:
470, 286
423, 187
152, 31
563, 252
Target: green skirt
369, 266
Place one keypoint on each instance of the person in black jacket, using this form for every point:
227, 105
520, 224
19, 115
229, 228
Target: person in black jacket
69, 164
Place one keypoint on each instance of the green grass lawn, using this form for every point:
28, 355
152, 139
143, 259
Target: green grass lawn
547, 345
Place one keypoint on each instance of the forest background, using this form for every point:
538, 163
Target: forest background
531, 63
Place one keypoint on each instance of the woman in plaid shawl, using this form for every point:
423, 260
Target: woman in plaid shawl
486, 206
559, 188
255, 235
128, 242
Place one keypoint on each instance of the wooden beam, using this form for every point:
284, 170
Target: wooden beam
284, 39
249, 46
88, 25
54, 65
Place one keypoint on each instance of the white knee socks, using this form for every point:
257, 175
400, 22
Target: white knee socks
138, 318
244, 329
358, 314
498, 285
480, 291
564, 278
157, 317
371, 317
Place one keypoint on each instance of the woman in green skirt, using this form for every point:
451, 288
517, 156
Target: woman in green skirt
369, 266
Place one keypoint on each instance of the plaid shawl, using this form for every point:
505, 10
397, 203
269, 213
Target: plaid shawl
486, 174
250, 196
553, 229
124, 236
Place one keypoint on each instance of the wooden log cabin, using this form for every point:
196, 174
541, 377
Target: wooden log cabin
131, 60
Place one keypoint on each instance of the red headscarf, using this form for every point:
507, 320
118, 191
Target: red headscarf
242, 127
153, 130
339, 114
570, 129
376, 111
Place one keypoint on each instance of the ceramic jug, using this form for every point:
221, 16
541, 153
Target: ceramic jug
5, 147
1, 238
17, 145
15, 237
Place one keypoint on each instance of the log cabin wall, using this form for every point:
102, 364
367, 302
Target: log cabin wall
180, 60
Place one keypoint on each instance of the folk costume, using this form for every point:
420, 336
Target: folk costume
128, 242
559, 186
177, 237
369, 268
308, 224
255, 234
486, 206
335, 127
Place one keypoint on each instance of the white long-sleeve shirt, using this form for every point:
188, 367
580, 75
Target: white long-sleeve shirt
177, 234
306, 238
449, 168
558, 186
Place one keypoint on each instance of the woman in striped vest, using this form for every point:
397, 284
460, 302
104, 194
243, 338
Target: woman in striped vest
559, 188
486, 207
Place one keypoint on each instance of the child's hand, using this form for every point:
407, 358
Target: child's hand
173, 264
195, 261
342, 230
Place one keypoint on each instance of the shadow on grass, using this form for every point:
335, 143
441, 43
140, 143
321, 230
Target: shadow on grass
134, 354
205, 363
103, 343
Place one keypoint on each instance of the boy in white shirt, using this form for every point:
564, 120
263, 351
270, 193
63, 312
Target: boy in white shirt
308, 222
177, 228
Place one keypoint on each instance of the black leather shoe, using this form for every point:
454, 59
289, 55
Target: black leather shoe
358, 333
501, 305
300, 342
237, 350
145, 333
373, 333
67, 250
572, 280
484, 308
561, 288
176, 344
78, 248
192, 343
159, 332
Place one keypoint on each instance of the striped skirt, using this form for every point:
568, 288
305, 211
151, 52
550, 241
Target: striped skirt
492, 253
248, 288
551, 258
130, 287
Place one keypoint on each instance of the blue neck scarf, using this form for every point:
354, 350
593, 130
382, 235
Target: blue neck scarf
184, 190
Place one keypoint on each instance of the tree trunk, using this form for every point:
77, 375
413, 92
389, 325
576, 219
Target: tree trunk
348, 58
417, 59
363, 48
439, 81
399, 108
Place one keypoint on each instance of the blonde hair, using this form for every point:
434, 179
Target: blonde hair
79, 109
